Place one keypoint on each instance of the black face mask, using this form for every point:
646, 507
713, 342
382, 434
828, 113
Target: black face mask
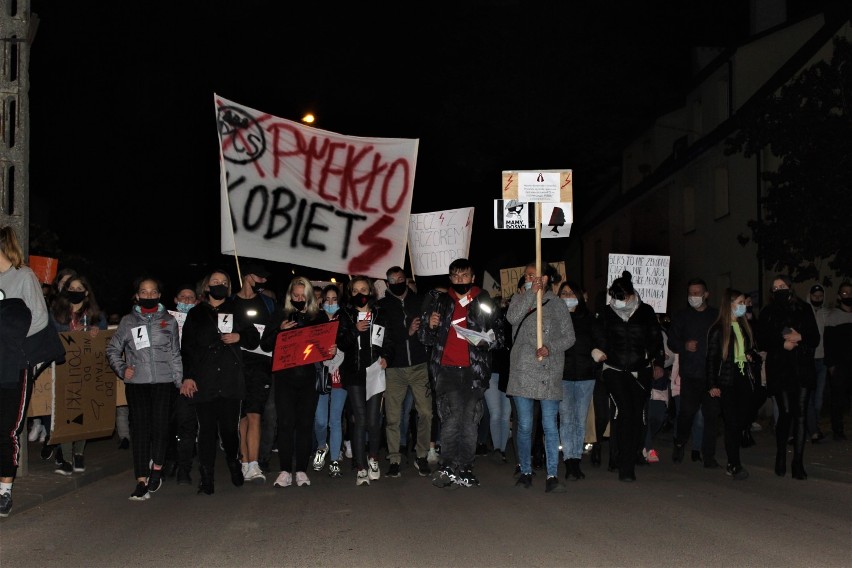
148, 303
816, 304
257, 289
360, 300
397, 289
781, 295
75, 297
299, 304
462, 289
218, 292
846, 301
749, 309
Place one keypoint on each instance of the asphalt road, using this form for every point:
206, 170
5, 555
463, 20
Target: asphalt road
674, 515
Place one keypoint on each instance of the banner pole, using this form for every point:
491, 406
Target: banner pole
224, 187
538, 330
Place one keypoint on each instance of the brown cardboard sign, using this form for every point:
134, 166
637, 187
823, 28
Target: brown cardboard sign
84, 389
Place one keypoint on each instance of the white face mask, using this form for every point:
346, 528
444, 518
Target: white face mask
696, 301
571, 302
527, 285
619, 304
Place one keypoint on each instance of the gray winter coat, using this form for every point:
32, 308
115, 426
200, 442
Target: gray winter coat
158, 363
529, 377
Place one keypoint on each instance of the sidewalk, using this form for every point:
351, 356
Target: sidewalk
41, 484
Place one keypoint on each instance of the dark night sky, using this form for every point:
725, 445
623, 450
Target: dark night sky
124, 154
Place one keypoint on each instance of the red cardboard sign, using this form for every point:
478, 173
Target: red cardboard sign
303, 345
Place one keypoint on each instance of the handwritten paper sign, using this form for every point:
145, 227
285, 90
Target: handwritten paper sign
650, 277
303, 345
437, 239
302, 195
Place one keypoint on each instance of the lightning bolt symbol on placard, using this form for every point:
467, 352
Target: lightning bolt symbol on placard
307, 351
441, 217
139, 333
508, 183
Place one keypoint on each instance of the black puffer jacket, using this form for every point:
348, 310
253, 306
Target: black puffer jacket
483, 314
630, 345
723, 373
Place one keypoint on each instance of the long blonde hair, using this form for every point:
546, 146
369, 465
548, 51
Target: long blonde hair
11, 247
726, 318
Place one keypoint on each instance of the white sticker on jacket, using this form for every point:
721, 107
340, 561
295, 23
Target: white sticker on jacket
377, 336
140, 337
226, 323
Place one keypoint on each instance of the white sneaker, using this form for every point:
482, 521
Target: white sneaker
756, 427
319, 458
284, 479
348, 452
373, 469
302, 478
35, 430
245, 467
254, 473
362, 478
432, 456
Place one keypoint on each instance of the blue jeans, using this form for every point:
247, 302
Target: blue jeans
500, 411
573, 411
328, 424
815, 405
549, 411
460, 410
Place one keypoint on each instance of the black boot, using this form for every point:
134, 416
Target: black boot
574, 473
798, 470
748, 439
596, 454
236, 469
206, 485
781, 464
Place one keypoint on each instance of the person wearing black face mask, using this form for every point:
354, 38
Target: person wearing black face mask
214, 336
364, 341
144, 352
838, 356
295, 387
402, 308
257, 308
461, 370
76, 309
788, 331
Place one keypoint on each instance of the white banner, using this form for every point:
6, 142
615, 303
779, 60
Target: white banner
310, 197
437, 239
650, 277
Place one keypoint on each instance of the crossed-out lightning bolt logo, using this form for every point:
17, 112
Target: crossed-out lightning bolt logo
308, 350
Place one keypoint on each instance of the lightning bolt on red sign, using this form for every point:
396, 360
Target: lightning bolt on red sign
303, 345
310, 197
